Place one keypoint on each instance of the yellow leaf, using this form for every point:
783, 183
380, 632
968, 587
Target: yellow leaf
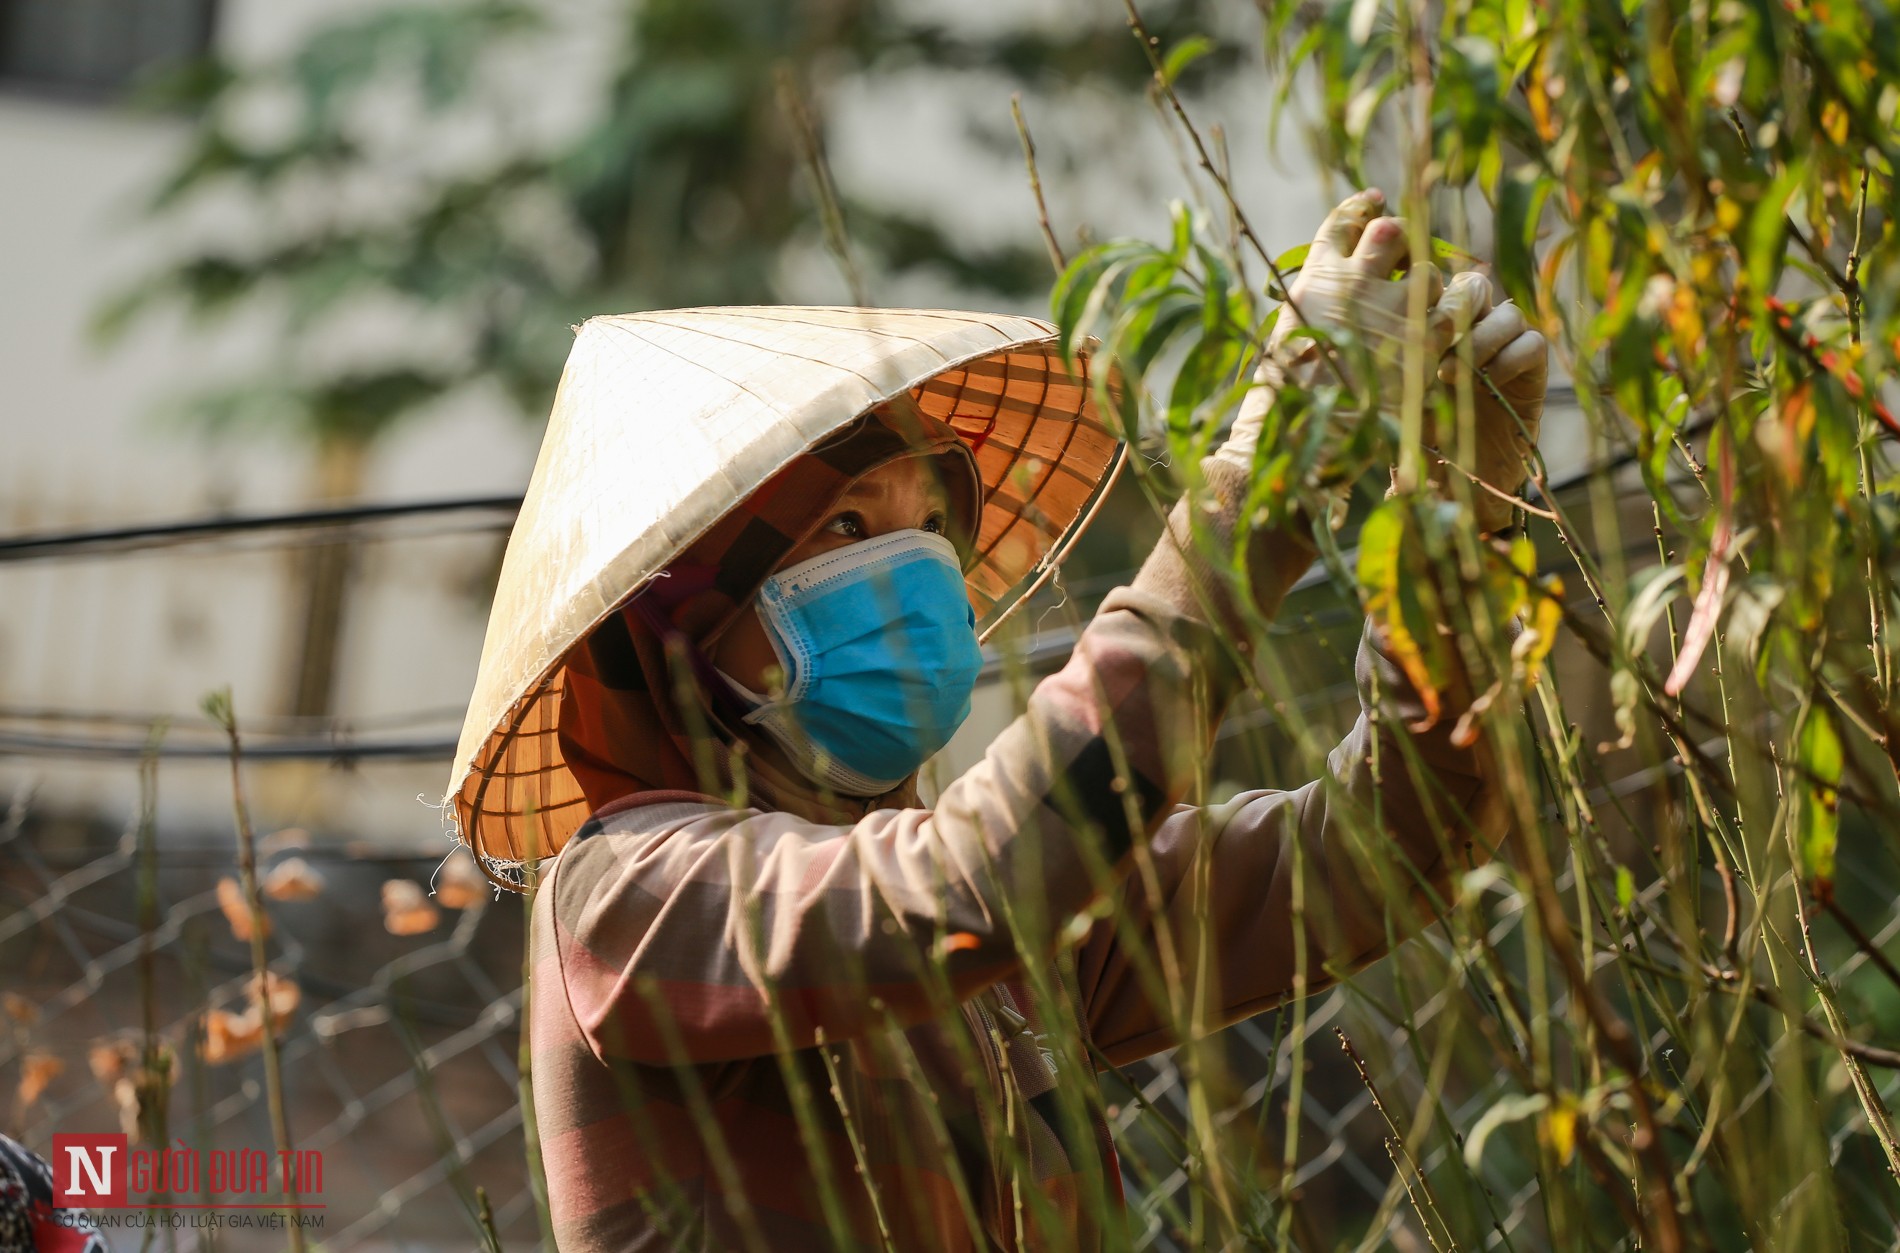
1381, 566
1558, 1129
1834, 121
1547, 615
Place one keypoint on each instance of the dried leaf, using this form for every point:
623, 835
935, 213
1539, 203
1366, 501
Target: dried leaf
283, 996
293, 879
37, 1070
1701, 628
1625, 691
125, 1094
229, 1036
459, 884
107, 1061
406, 911
236, 912
1708, 600
1707, 609
19, 1009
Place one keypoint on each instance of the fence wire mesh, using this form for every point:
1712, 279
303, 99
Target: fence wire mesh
401, 1055
401, 1060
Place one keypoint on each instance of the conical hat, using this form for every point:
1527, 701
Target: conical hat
666, 421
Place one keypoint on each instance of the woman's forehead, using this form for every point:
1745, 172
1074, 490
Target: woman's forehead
909, 475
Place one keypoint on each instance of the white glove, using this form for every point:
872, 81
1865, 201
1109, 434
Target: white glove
1346, 284
1516, 360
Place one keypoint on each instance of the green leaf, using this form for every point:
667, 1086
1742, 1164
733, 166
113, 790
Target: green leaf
1184, 54
1660, 588
1754, 604
1767, 242
1625, 888
1818, 758
1508, 1110
1284, 267
1625, 691
1520, 202
1465, 104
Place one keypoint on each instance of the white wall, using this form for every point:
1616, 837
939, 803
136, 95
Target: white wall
84, 442
81, 444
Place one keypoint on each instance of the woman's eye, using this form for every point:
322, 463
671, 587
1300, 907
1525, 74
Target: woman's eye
849, 525
934, 524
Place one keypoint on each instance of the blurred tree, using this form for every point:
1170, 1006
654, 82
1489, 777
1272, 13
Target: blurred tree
687, 184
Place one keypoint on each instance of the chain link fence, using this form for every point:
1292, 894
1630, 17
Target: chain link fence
402, 1008
399, 1058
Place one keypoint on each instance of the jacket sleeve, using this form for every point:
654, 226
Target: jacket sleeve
1372, 844
727, 933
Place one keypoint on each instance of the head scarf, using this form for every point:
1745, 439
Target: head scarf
643, 714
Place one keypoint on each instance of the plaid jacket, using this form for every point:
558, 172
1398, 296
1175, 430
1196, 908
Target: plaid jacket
755, 1031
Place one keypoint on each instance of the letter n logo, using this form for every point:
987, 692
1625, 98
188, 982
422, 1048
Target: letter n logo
89, 1171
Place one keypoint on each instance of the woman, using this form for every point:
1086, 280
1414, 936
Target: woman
778, 1005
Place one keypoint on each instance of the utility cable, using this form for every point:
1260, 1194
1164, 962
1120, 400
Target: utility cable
114, 541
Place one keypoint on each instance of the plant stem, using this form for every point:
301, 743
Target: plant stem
1056, 258
222, 711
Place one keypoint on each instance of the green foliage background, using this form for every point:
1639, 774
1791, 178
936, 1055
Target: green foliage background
1695, 201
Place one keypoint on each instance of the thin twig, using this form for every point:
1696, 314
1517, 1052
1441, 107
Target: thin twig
1861, 939
1546, 514
219, 707
1149, 45
1056, 258
1872, 1054
811, 148
1395, 1144
485, 1216
152, 1082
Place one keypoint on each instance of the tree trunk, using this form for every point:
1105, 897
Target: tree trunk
322, 576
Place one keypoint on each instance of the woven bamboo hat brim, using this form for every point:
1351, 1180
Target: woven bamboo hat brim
666, 421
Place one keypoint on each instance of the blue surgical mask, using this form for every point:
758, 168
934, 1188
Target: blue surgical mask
878, 646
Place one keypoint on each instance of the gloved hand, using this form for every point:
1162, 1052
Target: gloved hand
1516, 360
1346, 283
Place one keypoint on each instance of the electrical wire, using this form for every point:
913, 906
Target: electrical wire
340, 746
299, 749
115, 541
